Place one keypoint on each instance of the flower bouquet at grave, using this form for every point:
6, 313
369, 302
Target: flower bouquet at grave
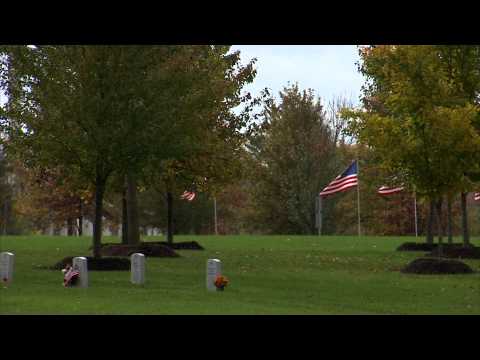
220, 282
70, 277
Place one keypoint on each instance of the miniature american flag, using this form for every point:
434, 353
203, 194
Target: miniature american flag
188, 195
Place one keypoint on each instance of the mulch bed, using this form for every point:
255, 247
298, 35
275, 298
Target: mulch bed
431, 266
184, 245
457, 252
98, 264
413, 246
147, 249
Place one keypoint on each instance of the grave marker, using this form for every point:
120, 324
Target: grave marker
214, 269
80, 264
137, 266
7, 260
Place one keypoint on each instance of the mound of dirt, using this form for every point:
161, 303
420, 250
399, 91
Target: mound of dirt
457, 252
184, 245
100, 264
147, 249
436, 266
413, 246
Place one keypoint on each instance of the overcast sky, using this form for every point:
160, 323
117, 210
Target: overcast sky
329, 70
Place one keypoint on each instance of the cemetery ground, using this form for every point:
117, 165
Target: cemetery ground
268, 275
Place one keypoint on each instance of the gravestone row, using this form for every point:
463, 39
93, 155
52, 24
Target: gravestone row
137, 270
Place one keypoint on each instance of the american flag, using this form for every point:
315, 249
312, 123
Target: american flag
343, 181
385, 190
188, 195
70, 277
476, 196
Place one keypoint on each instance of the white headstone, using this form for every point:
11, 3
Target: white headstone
6, 266
214, 269
80, 264
137, 266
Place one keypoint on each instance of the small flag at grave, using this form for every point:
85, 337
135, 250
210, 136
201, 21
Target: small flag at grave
188, 195
71, 276
476, 196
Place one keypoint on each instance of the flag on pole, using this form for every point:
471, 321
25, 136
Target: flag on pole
476, 196
188, 195
344, 181
385, 190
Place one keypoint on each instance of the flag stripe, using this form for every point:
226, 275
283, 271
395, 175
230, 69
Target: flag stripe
339, 185
334, 182
344, 181
476, 196
71, 274
188, 195
384, 190
343, 188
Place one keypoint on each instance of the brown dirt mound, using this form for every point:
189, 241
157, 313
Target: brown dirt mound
184, 245
436, 266
458, 252
100, 264
413, 246
147, 249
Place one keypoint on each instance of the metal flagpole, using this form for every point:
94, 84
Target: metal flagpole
215, 212
358, 196
416, 221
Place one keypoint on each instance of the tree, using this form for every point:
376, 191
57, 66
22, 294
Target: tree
52, 198
416, 121
295, 151
6, 194
212, 147
118, 104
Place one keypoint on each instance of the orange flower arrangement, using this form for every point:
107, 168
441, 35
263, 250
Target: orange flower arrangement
220, 282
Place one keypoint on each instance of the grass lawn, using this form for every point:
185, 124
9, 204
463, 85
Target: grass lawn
268, 274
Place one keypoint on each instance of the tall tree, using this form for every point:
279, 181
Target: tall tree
112, 101
415, 120
295, 152
214, 133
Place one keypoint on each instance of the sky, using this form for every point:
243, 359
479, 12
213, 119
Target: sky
330, 70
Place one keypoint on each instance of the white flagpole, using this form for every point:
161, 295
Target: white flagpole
358, 196
416, 221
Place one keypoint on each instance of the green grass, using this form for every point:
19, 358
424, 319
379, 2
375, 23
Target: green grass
268, 274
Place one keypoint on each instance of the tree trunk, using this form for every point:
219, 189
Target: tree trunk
439, 226
169, 217
133, 226
70, 228
124, 217
97, 224
440, 219
449, 220
430, 223
80, 219
465, 232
